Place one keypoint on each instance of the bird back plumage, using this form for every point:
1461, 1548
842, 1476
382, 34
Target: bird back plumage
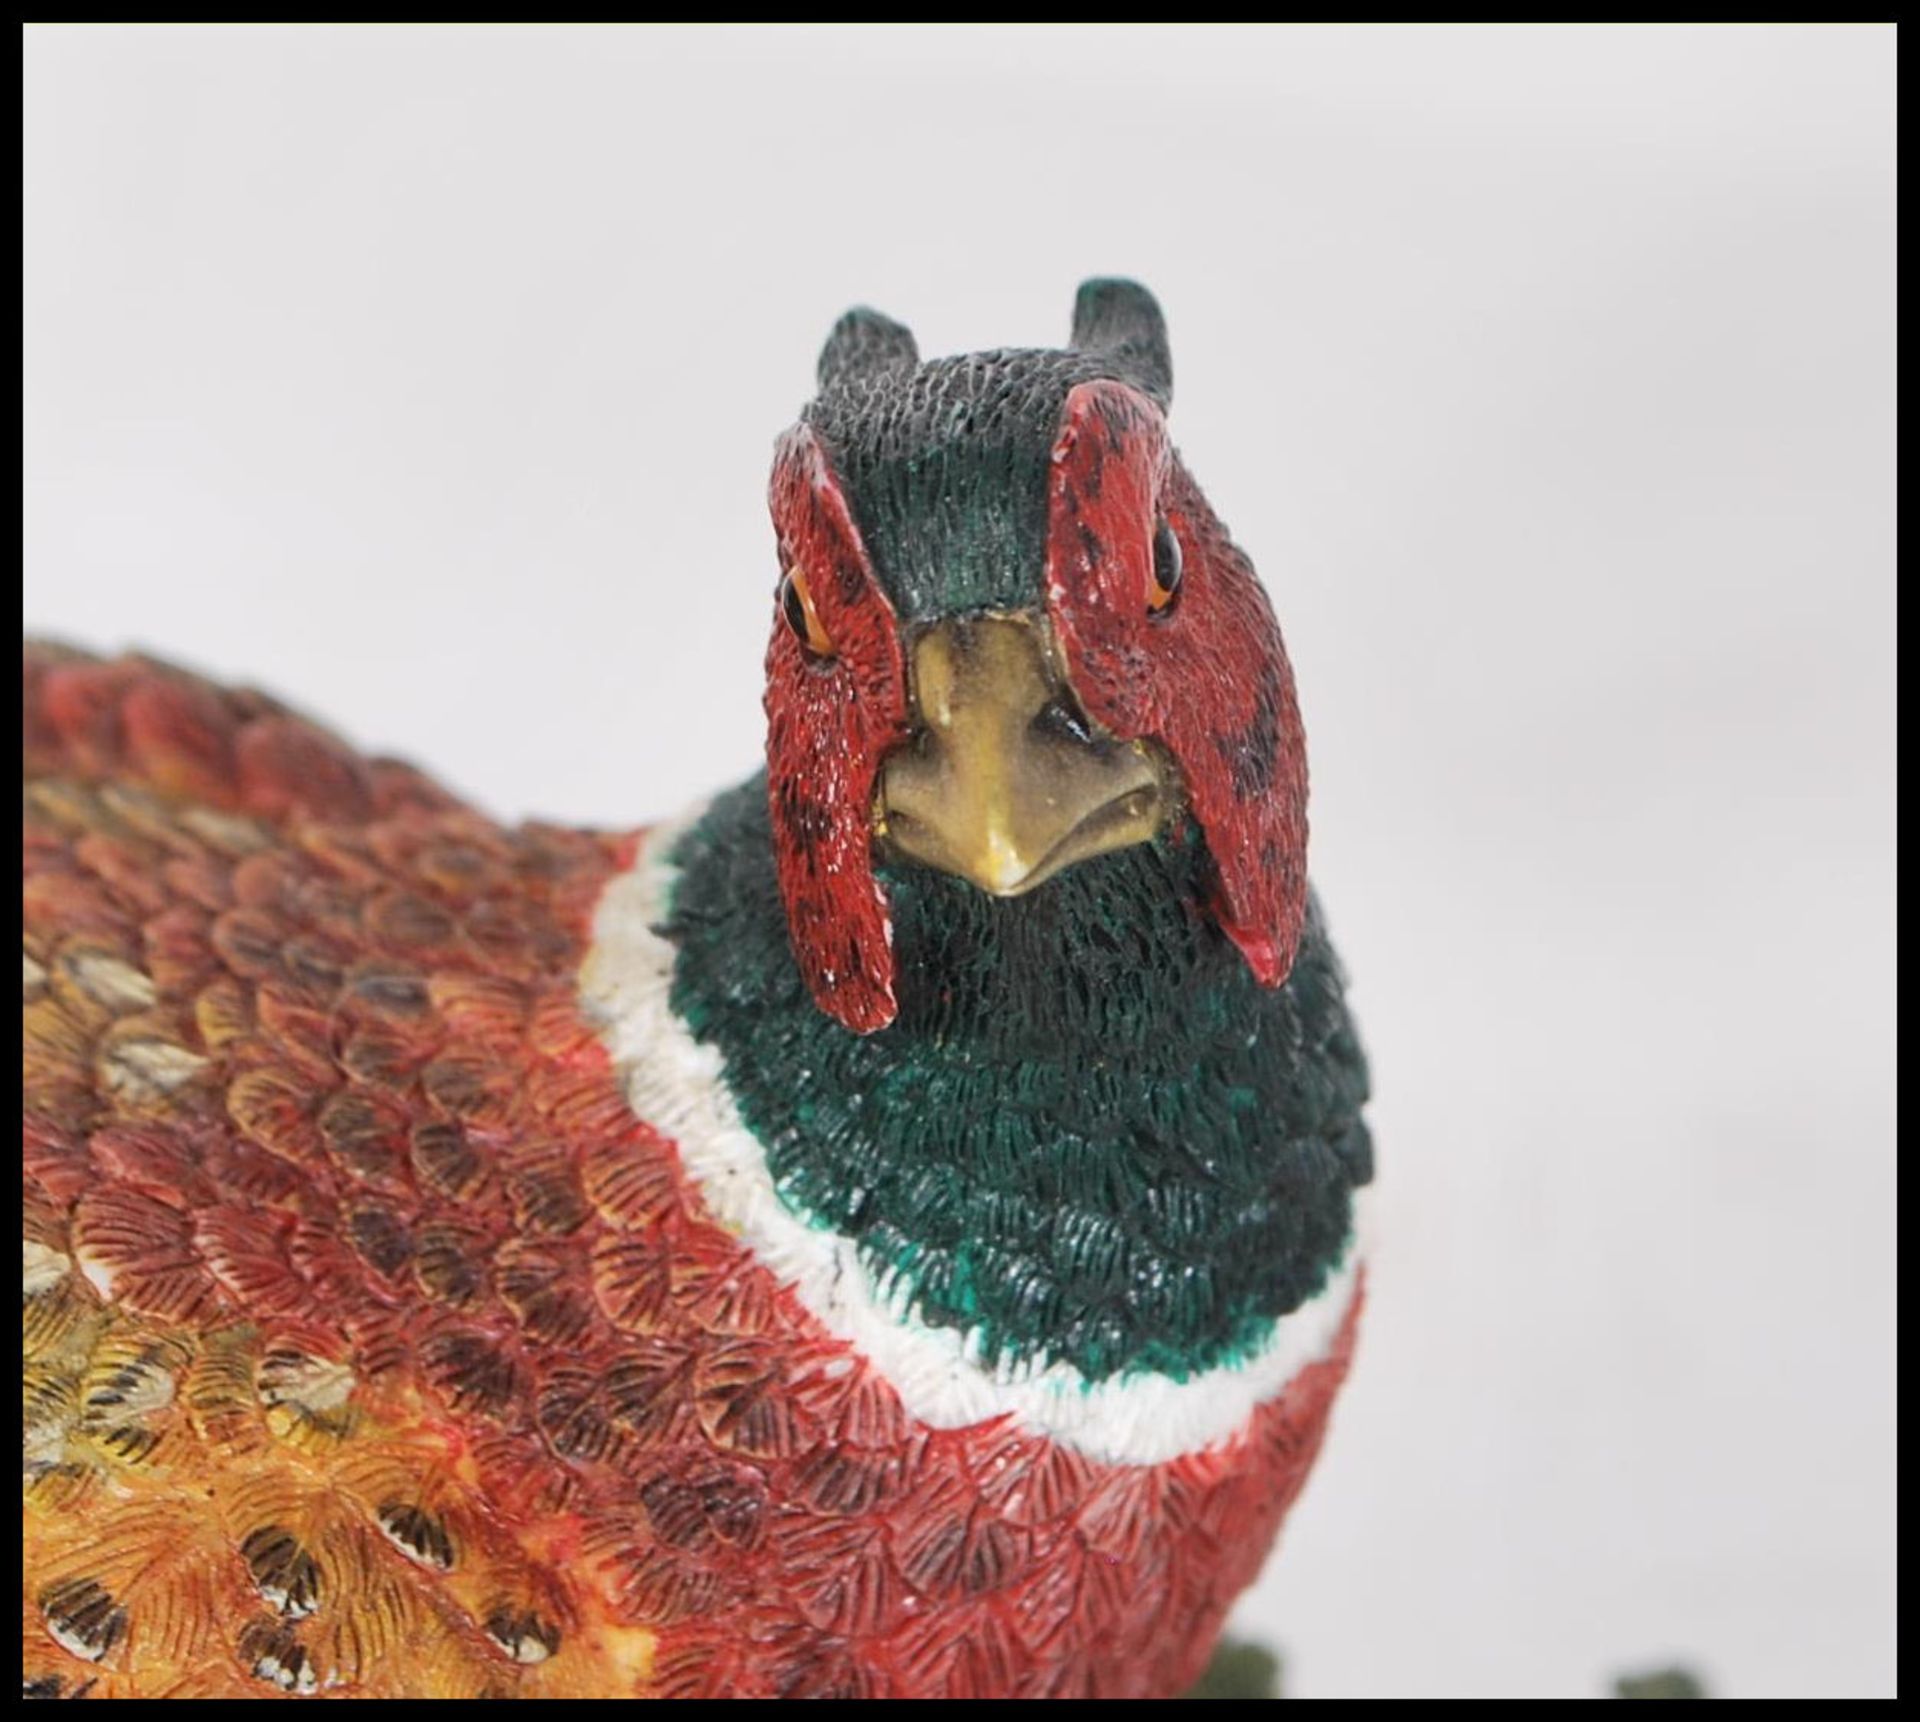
375, 1346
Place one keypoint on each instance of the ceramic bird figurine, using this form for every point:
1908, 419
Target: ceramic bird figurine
888, 1232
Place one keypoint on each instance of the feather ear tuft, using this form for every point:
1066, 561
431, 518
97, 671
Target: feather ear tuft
864, 343
1122, 318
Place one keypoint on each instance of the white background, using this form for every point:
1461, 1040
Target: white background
429, 378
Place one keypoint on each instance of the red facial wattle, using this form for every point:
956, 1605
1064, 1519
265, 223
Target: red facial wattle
1207, 677
830, 719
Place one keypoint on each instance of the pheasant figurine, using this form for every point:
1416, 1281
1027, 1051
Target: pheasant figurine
890, 1232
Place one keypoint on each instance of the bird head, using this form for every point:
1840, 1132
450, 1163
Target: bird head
1010, 635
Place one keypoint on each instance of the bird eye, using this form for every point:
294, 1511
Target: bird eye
1168, 566
796, 604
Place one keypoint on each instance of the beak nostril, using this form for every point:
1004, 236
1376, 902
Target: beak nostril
1061, 716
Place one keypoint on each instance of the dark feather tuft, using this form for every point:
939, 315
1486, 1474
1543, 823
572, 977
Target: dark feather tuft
864, 342
1123, 319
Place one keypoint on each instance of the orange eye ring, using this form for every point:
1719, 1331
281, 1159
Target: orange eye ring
1169, 569
796, 604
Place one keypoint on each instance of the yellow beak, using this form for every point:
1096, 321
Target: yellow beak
1005, 781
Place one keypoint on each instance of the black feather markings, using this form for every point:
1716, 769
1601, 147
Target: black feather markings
84, 1617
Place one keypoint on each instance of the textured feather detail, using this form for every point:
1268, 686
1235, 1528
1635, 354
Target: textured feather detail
1209, 677
372, 1346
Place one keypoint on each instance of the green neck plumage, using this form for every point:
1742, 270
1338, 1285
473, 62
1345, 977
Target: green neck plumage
1088, 1136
